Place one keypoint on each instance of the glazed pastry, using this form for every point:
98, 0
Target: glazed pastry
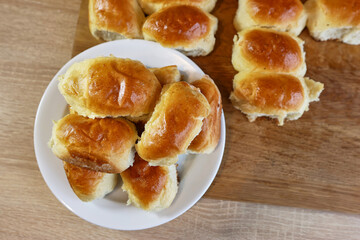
274, 95
175, 122
335, 19
185, 28
115, 19
150, 187
266, 50
208, 138
105, 145
283, 15
87, 184
110, 87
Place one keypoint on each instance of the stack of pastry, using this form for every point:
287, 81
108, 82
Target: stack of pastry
109, 97
271, 61
186, 26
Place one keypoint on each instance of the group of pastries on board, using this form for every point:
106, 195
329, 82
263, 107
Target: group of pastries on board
270, 58
134, 121
184, 25
325, 19
188, 26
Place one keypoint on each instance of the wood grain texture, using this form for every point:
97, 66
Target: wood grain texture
312, 162
36, 40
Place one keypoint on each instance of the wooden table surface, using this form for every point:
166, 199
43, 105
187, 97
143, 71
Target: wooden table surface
36, 38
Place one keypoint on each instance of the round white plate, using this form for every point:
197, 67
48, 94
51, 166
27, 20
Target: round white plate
196, 172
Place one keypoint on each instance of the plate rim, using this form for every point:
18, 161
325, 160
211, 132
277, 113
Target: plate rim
36, 136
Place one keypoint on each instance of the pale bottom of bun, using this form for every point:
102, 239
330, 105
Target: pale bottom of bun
347, 35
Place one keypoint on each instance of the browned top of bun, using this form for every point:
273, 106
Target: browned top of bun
117, 86
275, 50
178, 24
209, 136
110, 86
271, 91
175, 122
82, 179
115, 15
345, 11
146, 181
98, 144
275, 11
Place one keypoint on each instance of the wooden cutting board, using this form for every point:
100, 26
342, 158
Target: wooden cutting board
313, 162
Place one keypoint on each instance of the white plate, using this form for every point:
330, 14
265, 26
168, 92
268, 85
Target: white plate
196, 171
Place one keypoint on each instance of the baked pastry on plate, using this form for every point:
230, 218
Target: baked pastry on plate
110, 87
105, 145
175, 122
87, 184
166, 75
208, 138
150, 187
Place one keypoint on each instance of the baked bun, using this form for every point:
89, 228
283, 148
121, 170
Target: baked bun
335, 19
209, 136
266, 50
284, 15
110, 87
89, 185
185, 28
105, 145
166, 75
150, 187
175, 122
115, 19
151, 6
274, 95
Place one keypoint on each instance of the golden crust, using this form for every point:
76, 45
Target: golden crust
266, 50
104, 145
150, 187
345, 13
110, 87
271, 92
284, 15
185, 28
209, 136
274, 95
151, 6
115, 19
166, 75
334, 20
175, 122
275, 11
87, 184
178, 25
